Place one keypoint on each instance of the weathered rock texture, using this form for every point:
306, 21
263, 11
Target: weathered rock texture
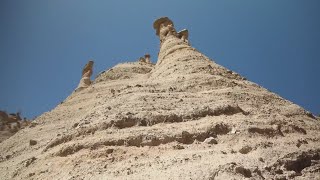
86, 74
184, 118
184, 35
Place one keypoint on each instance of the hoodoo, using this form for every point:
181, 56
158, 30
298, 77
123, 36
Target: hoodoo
176, 56
147, 58
186, 117
86, 74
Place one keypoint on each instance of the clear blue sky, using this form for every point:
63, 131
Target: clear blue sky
44, 44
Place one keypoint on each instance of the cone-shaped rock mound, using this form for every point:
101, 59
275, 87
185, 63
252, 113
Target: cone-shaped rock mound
185, 117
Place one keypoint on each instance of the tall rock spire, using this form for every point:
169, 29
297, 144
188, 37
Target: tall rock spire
170, 41
176, 56
86, 74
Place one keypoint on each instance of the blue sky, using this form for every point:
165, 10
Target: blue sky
44, 44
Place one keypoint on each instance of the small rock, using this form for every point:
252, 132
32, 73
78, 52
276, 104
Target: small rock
109, 151
278, 171
45, 171
245, 150
129, 113
112, 159
268, 168
129, 171
75, 125
178, 146
196, 156
300, 142
29, 161
31, 174
196, 141
280, 177
186, 137
223, 152
33, 124
234, 131
32, 142
261, 159
257, 171
210, 140
243, 171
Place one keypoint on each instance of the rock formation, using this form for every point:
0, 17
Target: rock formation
10, 124
142, 60
164, 28
86, 74
129, 70
186, 117
3, 116
184, 35
147, 58
172, 43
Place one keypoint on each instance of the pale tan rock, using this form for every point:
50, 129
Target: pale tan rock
184, 35
86, 74
130, 70
32, 142
210, 140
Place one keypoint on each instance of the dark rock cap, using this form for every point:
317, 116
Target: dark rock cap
157, 22
147, 55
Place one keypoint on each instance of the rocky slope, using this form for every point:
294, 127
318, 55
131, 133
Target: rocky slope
185, 117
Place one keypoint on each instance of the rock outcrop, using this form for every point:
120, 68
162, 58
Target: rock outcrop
147, 57
10, 124
186, 117
86, 74
184, 35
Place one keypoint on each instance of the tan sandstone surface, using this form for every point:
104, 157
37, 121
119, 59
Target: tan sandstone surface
184, 117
